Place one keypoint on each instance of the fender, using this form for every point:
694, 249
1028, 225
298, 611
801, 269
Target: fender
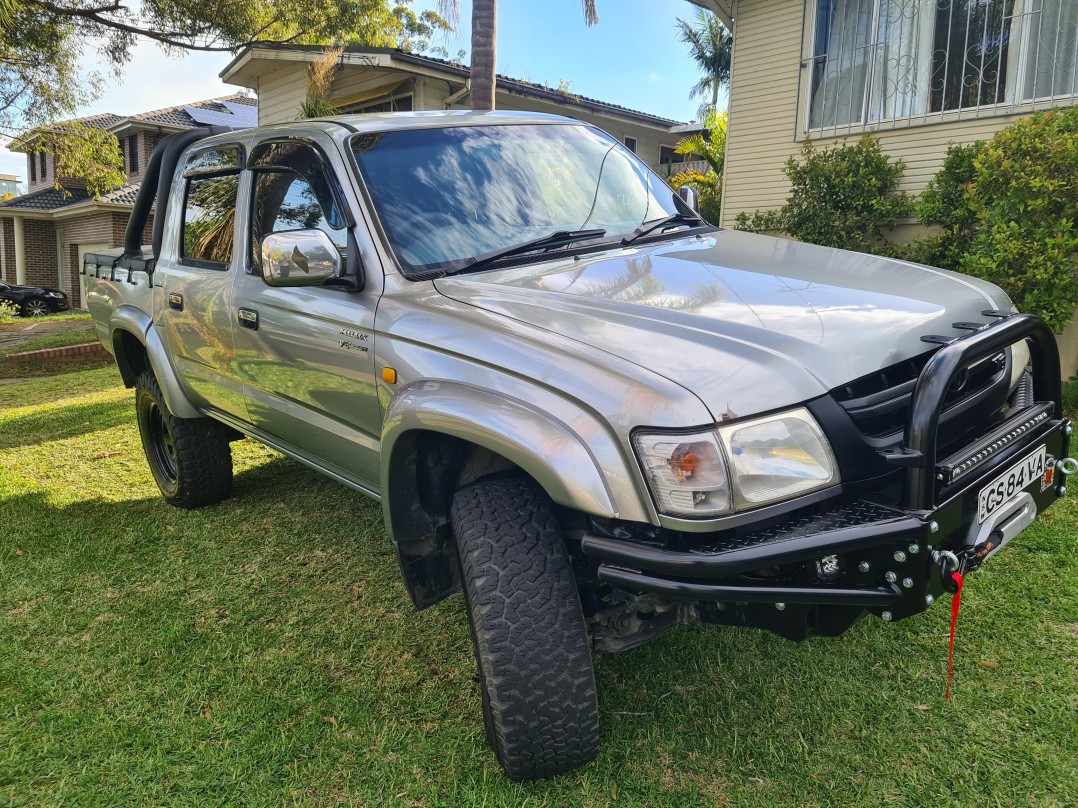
574, 472
135, 321
544, 447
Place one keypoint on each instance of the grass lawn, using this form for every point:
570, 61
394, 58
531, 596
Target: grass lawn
69, 316
264, 651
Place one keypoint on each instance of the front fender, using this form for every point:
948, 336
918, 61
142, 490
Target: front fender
136, 322
575, 472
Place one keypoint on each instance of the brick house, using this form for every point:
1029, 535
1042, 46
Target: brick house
44, 232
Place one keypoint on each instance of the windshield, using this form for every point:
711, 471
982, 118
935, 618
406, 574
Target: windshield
445, 196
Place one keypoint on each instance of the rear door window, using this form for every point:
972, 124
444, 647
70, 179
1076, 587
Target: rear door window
212, 180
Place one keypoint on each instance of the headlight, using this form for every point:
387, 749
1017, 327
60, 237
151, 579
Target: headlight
1019, 360
778, 457
54, 294
737, 467
686, 473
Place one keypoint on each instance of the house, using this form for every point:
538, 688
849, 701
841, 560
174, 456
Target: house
916, 74
9, 184
386, 79
45, 232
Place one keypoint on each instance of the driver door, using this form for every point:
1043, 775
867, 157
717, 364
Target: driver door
305, 352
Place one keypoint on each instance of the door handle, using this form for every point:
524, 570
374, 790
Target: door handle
175, 301
248, 318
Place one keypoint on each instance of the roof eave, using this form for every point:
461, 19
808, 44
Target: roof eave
515, 87
233, 73
68, 211
723, 9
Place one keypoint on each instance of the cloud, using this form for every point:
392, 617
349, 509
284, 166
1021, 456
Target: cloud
655, 78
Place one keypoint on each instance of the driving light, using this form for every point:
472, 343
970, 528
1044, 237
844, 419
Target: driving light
686, 473
777, 457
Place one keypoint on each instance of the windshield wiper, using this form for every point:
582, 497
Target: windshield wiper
558, 238
658, 224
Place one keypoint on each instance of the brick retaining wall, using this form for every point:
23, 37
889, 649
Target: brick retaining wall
70, 353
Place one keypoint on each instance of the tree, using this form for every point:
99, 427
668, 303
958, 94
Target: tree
42, 79
711, 145
711, 46
484, 44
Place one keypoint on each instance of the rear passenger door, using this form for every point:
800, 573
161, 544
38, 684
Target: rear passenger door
196, 311
306, 353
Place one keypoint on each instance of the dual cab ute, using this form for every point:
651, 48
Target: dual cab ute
593, 412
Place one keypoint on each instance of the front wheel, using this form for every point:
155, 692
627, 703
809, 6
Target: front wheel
531, 643
190, 458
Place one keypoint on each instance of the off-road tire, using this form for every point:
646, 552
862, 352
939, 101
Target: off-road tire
190, 458
531, 643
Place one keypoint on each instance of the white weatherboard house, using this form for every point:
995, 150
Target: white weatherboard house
386, 79
917, 74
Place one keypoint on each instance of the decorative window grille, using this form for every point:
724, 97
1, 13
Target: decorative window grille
895, 60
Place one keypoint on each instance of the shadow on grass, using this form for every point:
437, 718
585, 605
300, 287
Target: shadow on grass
41, 426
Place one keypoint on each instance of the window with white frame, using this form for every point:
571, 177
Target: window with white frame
876, 60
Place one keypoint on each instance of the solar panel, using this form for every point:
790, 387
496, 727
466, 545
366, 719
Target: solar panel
238, 116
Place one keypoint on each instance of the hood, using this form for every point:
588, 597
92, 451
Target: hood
749, 323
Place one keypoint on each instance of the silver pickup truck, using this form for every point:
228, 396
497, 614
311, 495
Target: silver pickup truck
593, 412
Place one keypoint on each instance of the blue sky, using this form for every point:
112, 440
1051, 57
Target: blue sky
632, 58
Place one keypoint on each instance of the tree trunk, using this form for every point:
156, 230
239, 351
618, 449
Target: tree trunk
484, 45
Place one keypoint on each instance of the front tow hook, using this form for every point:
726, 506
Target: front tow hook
948, 563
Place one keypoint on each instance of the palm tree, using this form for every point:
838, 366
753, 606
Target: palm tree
484, 42
711, 47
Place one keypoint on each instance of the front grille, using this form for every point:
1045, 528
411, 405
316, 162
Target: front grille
879, 403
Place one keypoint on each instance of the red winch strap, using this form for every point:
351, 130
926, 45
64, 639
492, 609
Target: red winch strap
956, 602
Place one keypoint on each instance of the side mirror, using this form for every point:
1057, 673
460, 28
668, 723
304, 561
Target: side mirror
299, 258
688, 196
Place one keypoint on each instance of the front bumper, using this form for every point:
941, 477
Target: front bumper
881, 552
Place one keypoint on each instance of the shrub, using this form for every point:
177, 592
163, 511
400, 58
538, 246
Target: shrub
946, 203
1025, 195
8, 311
845, 197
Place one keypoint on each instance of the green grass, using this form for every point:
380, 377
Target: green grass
59, 340
51, 318
263, 652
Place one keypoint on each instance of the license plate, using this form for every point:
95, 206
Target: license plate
1011, 483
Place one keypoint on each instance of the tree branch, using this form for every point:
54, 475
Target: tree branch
175, 39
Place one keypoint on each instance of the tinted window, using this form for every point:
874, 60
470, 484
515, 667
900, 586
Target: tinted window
208, 219
214, 161
293, 191
209, 214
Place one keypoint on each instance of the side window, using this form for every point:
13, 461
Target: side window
294, 189
209, 212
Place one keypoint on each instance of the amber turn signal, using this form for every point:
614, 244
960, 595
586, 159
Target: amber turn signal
389, 375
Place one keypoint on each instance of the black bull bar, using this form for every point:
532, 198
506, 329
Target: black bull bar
872, 537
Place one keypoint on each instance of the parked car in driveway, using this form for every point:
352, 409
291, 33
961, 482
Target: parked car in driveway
594, 413
34, 301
